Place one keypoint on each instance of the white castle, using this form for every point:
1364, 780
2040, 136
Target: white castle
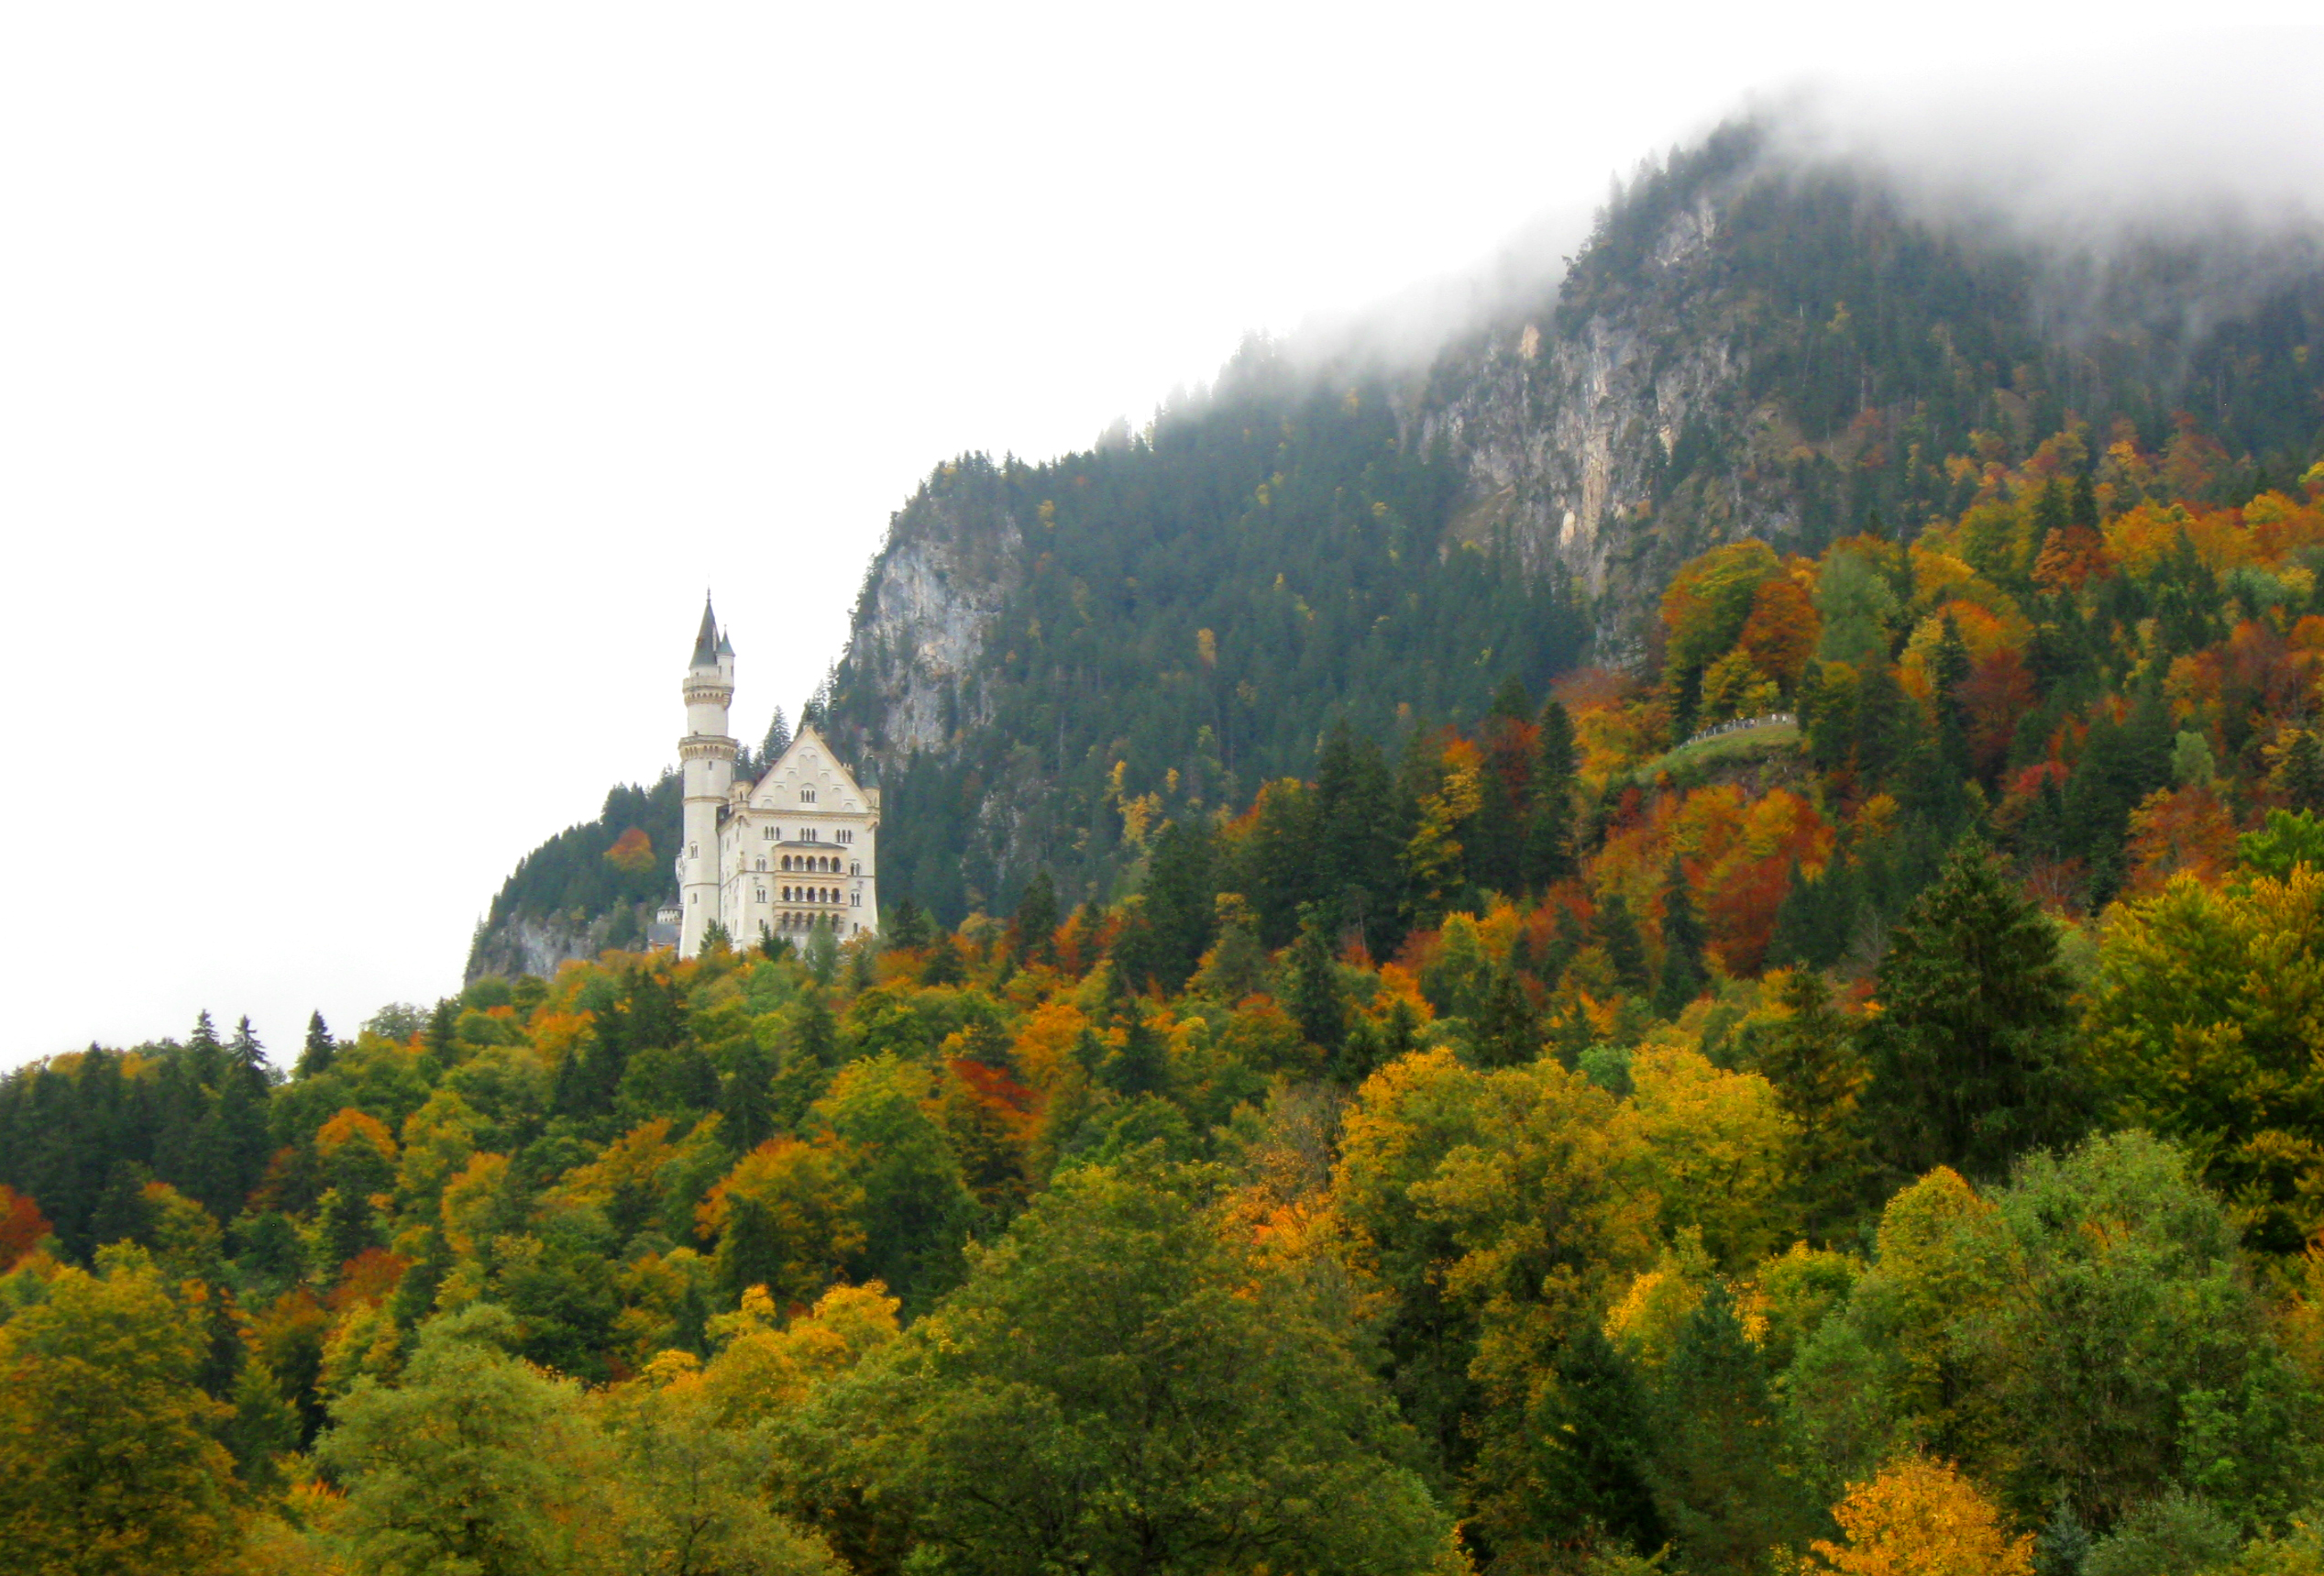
794, 852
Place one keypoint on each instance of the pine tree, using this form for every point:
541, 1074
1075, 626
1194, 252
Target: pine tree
1884, 731
1618, 933
1507, 1033
2302, 772
778, 739
316, 1055
1972, 1054
1811, 1059
243, 1140
907, 926
1179, 909
1950, 671
1032, 929
746, 1103
1548, 855
1312, 991
1591, 1432
1715, 1438
1683, 976
1141, 1065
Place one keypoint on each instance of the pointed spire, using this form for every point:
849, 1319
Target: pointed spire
706, 643
725, 647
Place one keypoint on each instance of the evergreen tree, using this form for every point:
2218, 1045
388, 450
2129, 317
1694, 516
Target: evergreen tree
1950, 672
1180, 908
1972, 1055
1591, 1431
438, 1041
1683, 976
1506, 1032
907, 926
1356, 839
1811, 1059
1884, 730
1550, 834
777, 740
243, 1138
746, 1097
1715, 1438
1312, 990
2302, 772
315, 1056
1033, 928
1618, 933
1141, 1065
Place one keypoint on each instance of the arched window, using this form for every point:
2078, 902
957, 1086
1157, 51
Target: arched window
807, 795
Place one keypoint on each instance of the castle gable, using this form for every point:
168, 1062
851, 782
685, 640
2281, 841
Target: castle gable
809, 767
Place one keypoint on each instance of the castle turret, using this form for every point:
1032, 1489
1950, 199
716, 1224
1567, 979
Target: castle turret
707, 756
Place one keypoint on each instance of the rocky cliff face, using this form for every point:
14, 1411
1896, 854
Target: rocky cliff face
1563, 432
922, 624
523, 944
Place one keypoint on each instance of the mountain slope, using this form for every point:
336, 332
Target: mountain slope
1047, 659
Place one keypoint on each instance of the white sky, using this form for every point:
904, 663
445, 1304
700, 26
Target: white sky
379, 387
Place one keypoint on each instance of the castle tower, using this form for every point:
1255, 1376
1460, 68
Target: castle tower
708, 757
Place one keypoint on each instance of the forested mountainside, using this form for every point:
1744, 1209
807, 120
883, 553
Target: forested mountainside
1842, 1100
1747, 347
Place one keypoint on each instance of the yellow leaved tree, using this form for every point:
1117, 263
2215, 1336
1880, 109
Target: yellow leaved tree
1920, 1517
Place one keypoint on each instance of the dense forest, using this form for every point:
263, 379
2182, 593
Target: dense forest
1843, 1098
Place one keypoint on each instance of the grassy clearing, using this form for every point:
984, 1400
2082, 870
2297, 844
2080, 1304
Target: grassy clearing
1727, 749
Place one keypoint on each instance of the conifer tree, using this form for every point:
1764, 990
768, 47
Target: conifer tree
1812, 1058
1715, 1435
2302, 772
1618, 933
315, 1056
747, 1102
1033, 928
1141, 1064
1312, 991
1549, 839
1683, 977
907, 926
1506, 1032
778, 739
1591, 1431
1972, 1057
1179, 909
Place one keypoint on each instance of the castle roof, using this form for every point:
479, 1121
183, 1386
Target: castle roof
706, 643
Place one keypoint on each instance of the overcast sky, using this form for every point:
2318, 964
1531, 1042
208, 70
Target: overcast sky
380, 387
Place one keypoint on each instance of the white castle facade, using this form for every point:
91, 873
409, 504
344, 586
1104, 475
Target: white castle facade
794, 852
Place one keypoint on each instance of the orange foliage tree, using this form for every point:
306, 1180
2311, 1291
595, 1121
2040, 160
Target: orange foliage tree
1781, 633
22, 1226
633, 851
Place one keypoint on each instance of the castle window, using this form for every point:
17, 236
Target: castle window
807, 795
762, 864
855, 868
855, 900
772, 833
